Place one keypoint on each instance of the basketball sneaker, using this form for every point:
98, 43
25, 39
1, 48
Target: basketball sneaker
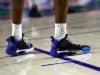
16, 48
64, 45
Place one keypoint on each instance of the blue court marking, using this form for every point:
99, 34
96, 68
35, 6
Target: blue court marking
55, 64
87, 65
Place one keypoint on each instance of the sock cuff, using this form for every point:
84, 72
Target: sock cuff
60, 30
60, 23
17, 31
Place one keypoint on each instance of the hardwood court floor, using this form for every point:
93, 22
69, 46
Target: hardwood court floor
83, 28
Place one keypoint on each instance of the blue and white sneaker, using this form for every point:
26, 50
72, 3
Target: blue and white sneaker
16, 48
67, 46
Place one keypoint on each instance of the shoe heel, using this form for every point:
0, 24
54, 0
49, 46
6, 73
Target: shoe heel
53, 51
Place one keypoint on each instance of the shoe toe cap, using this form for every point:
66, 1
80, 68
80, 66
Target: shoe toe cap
86, 50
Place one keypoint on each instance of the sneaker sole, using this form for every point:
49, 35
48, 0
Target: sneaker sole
78, 52
26, 50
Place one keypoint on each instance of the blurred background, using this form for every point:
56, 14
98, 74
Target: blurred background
45, 7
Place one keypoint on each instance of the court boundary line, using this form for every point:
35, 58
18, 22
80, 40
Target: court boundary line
86, 65
57, 63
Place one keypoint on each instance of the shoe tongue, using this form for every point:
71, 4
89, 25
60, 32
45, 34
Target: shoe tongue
52, 38
66, 36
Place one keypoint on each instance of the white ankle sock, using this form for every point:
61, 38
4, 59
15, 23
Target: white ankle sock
17, 31
60, 31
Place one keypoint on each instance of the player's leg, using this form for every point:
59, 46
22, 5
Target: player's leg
60, 18
60, 41
16, 42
